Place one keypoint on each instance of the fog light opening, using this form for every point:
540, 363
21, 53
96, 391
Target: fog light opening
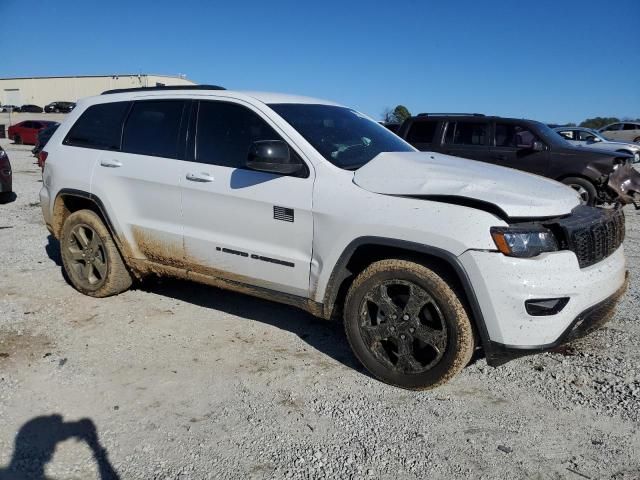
545, 306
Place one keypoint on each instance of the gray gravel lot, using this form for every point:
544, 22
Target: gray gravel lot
179, 381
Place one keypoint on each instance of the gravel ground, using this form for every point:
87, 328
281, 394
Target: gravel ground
180, 381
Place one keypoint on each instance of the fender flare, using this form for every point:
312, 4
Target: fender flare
340, 273
71, 192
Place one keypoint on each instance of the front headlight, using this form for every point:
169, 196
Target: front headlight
523, 242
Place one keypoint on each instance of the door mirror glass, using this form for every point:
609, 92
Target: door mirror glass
272, 156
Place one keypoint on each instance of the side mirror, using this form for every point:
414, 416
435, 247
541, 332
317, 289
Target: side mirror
537, 146
272, 156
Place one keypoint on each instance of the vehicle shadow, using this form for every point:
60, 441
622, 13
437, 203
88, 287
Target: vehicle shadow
36, 442
325, 336
8, 197
53, 250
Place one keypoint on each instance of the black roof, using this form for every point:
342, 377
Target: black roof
164, 87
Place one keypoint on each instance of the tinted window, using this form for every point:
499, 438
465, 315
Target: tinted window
510, 135
225, 132
422, 132
631, 126
100, 126
153, 128
27, 124
342, 136
615, 126
467, 133
585, 136
568, 134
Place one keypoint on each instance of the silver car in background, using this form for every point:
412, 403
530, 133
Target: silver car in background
586, 137
622, 132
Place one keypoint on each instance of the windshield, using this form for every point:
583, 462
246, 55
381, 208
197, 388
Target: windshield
343, 136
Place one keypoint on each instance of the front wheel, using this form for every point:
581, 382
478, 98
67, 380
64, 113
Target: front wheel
90, 257
585, 189
407, 326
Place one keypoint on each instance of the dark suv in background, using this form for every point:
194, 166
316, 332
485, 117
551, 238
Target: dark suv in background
526, 145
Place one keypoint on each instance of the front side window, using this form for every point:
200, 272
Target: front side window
515, 136
341, 135
422, 131
225, 132
586, 136
467, 133
153, 128
614, 127
100, 127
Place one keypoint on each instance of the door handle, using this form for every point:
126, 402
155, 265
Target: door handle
199, 177
110, 163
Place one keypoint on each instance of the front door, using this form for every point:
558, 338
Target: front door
513, 147
247, 226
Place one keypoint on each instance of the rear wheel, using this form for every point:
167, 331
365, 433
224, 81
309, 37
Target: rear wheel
585, 189
407, 326
90, 257
17, 140
636, 140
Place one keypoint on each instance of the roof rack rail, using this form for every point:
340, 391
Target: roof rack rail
164, 87
451, 114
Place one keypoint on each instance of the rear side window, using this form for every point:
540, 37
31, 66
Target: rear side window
153, 128
631, 126
422, 132
568, 134
100, 127
225, 132
467, 133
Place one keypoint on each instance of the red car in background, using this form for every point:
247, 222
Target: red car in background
27, 131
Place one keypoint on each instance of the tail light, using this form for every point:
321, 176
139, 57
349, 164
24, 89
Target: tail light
42, 157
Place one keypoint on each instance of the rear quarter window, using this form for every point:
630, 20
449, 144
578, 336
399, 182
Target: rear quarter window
99, 127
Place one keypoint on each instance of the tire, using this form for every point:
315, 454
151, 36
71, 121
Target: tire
17, 140
636, 140
415, 304
90, 257
585, 189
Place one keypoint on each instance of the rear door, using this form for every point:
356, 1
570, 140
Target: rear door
467, 139
240, 224
140, 181
513, 147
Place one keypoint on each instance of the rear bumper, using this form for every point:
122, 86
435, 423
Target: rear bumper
585, 323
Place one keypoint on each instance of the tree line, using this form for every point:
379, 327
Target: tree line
400, 113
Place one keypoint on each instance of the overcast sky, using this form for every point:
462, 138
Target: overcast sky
555, 61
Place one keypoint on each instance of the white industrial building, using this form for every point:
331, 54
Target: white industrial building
43, 90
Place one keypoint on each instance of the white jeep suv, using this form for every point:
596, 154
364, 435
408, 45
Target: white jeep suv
425, 256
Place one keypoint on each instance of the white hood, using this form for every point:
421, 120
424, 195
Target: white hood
516, 193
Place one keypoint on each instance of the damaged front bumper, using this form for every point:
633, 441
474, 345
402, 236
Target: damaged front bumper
585, 323
624, 183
